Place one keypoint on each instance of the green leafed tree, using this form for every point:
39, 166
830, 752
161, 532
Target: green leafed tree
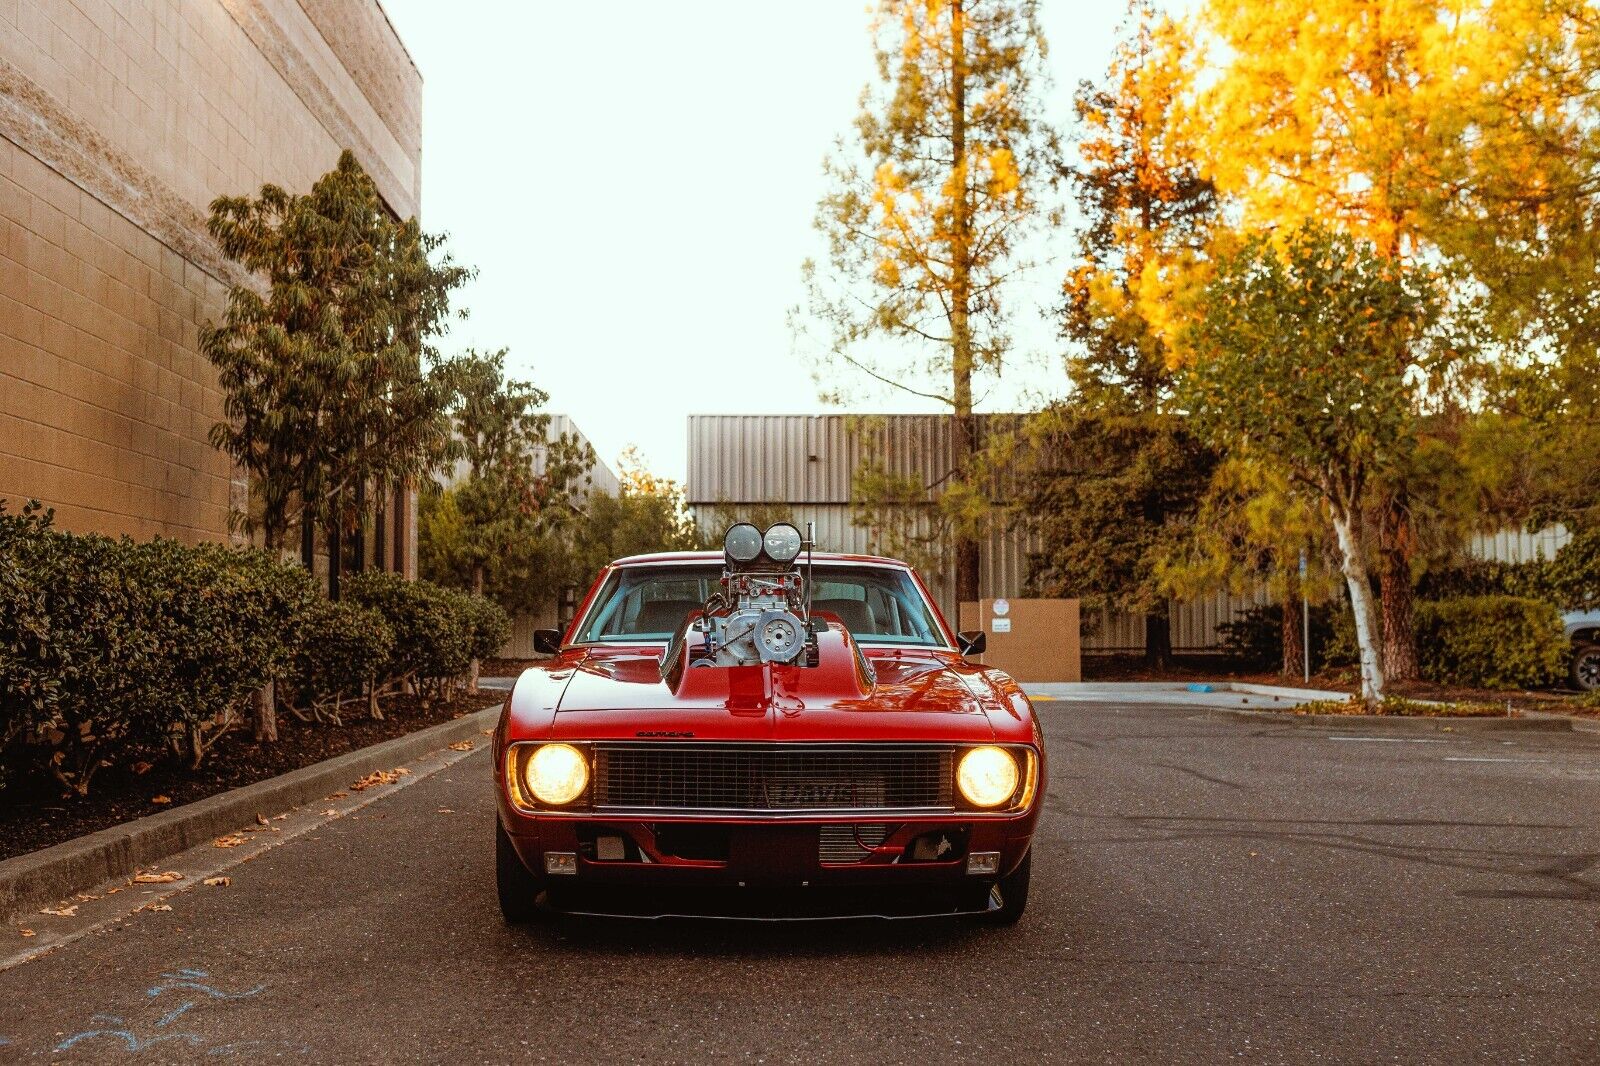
927, 206
1306, 353
507, 527
330, 380
329, 375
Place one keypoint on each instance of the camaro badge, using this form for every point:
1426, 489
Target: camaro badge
668, 733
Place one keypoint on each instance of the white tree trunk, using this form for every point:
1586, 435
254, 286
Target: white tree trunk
1355, 577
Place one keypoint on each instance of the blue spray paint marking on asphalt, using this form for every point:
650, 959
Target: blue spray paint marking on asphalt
111, 1026
173, 1015
190, 979
130, 1040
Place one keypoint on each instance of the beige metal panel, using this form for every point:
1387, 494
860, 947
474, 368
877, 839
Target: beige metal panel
1112, 631
811, 458
1512, 545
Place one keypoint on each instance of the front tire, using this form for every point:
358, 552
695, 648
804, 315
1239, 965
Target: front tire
517, 886
1585, 672
1013, 889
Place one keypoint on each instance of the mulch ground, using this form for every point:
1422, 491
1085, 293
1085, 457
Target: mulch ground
34, 815
1216, 668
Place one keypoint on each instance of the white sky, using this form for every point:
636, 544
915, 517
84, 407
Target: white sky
636, 181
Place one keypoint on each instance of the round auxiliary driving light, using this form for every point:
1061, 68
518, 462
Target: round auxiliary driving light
987, 776
742, 542
782, 543
557, 774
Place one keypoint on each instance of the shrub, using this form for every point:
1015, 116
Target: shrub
344, 652
432, 635
489, 624
223, 622
97, 665
114, 649
1491, 642
1537, 580
1255, 636
1575, 573
27, 686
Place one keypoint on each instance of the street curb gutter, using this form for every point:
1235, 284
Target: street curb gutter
55, 873
1401, 724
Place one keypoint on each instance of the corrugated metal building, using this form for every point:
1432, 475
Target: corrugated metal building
807, 462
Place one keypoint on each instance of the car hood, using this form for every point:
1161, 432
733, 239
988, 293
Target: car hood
620, 694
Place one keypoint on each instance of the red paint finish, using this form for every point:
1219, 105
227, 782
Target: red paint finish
857, 694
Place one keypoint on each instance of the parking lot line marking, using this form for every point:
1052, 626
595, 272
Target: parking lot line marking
1392, 740
1486, 758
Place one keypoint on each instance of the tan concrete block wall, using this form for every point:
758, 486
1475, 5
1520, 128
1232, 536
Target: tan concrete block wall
105, 401
120, 121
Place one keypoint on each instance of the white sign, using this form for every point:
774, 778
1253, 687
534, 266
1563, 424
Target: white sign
1002, 607
1000, 625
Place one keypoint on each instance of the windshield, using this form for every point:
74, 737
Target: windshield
878, 604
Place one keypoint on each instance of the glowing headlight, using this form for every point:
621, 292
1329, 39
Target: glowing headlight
556, 774
742, 542
987, 776
782, 543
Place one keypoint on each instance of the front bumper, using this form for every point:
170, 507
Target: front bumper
765, 869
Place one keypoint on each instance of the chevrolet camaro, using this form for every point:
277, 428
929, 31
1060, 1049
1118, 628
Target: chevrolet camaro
769, 733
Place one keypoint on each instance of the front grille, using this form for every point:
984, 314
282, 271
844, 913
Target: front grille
772, 777
849, 843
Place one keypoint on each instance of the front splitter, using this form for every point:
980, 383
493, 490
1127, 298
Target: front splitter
766, 905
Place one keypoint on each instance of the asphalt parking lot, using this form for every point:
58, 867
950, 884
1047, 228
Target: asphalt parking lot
1204, 889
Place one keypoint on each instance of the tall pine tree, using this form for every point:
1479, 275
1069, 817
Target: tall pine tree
1113, 468
923, 222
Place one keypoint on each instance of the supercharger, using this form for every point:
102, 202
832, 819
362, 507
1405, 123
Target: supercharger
760, 616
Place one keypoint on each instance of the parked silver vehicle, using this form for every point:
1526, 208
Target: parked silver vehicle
1583, 630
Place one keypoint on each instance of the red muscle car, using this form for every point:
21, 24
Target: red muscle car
766, 733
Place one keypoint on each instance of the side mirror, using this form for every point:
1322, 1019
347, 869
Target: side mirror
547, 641
972, 642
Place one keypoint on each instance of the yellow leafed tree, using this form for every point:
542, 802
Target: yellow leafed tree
1370, 116
922, 222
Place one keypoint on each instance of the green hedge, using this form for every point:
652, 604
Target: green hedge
344, 653
113, 651
1491, 642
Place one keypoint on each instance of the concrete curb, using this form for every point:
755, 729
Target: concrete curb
1401, 724
55, 873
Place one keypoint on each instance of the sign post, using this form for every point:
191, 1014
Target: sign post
1305, 621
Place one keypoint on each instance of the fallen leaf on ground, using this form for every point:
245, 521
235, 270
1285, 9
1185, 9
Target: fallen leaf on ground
232, 840
218, 882
282, 816
261, 819
26, 932
487, 732
162, 800
141, 767
84, 897
157, 879
155, 907
338, 795
330, 812
446, 810
461, 745
379, 777
62, 912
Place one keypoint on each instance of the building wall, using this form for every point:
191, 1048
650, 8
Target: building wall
120, 121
